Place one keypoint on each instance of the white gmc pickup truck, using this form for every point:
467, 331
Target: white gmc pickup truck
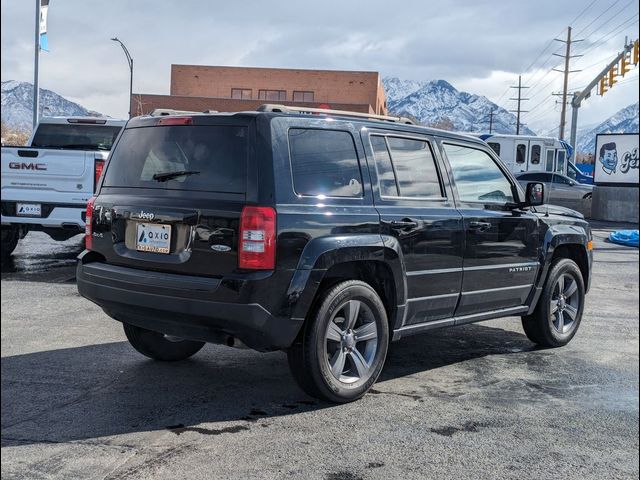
46, 185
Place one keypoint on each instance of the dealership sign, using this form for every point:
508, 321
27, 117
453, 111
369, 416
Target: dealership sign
617, 160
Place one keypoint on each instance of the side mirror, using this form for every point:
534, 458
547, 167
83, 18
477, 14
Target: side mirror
535, 194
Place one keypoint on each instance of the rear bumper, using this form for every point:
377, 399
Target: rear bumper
185, 306
54, 215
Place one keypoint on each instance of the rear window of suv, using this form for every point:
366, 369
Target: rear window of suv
74, 136
213, 157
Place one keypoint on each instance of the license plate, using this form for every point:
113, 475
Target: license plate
153, 238
29, 209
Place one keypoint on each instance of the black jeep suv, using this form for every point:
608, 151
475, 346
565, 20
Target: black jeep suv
324, 234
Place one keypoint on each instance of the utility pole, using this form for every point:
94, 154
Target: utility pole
520, 100
565, 90
36, 76
490, 119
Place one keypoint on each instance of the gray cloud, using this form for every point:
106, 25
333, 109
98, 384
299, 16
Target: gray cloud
465, 42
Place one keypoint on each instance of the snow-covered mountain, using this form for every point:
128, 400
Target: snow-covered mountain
438, 103
17, 105
623, 121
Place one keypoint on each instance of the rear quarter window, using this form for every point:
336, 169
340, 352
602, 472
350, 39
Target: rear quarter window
324, 163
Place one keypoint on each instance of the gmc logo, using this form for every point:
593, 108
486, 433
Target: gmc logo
27, 166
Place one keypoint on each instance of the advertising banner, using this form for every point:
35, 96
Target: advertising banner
617, 160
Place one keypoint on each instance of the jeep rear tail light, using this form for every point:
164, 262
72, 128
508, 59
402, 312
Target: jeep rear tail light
97, 169
257, 245
88, 229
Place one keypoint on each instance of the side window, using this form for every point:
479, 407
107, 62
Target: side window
550, 156
478, 178
324, 162
562, 155
535, 154
561, 179
572, 172
386, 175
534, 177
415, 168
495, 147
521, 153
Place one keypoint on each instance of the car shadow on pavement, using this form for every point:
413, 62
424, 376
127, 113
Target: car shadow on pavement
97, 391
41, 259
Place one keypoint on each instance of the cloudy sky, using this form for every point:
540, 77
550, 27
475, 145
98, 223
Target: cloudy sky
478, 46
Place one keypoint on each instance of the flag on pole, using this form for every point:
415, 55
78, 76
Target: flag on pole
44, 41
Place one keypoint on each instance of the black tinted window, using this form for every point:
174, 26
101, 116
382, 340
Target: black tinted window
478, 178
415, 168
561, 179
495, 147
218, 155
386, 176
521, 153
535, 154
324, 162
76, 136
534, 177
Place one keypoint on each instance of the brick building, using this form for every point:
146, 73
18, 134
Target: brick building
233, 89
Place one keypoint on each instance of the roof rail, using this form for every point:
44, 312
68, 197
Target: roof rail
159, 112
270, 107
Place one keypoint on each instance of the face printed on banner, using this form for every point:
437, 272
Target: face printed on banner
609, 158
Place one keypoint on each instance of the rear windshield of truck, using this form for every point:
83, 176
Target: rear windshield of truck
74, 136
185, 157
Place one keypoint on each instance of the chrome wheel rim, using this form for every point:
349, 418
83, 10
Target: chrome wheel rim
565, 303
351, 342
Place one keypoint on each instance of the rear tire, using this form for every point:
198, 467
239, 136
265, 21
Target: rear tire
10, 237
558, 314
344, 344
158, 347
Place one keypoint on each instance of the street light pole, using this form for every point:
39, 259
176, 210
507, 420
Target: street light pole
130, 62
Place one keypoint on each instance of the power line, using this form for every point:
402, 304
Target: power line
611, 33
572, 22
599, 16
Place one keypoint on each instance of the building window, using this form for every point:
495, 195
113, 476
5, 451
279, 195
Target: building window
302, 96
278, 95
241, 93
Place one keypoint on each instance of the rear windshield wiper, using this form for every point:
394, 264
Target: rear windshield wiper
85, 146
163, 177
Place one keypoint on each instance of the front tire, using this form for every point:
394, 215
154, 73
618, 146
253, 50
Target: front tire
10, 237
158, 346
344, 344
558, 314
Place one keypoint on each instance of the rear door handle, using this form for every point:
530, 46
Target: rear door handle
479, 226
403, 224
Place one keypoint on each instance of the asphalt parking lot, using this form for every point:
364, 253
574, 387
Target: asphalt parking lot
473, 402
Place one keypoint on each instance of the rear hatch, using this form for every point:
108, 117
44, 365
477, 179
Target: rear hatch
52, 170
173, 193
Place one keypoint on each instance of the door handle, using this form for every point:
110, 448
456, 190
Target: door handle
403, 224
479, 226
